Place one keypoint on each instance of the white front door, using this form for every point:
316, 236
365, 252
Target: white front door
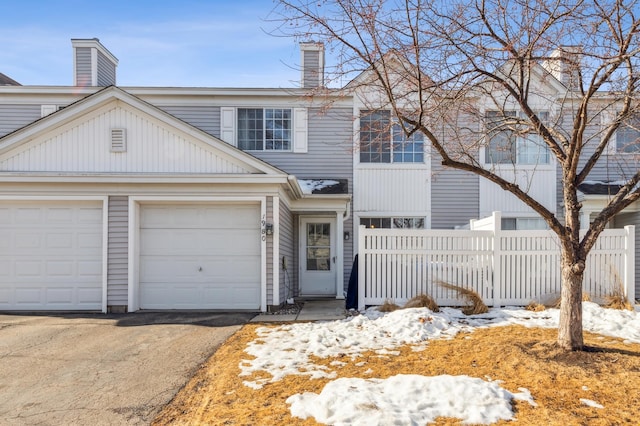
317, 256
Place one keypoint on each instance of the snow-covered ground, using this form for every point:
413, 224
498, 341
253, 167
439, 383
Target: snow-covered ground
287, 350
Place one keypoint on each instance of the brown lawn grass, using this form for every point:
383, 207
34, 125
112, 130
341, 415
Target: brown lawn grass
520, 357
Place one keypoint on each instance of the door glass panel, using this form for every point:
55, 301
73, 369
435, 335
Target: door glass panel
318, 247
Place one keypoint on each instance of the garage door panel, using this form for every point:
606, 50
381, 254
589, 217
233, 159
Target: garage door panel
195, 242
51, 255
200, 256
60, 269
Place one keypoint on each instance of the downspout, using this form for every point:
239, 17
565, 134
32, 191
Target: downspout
347, 213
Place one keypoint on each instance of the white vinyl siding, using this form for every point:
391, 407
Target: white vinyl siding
151, 148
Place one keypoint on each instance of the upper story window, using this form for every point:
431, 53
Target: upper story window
264, 129
383, 141
507, 144
628, 135
393, 222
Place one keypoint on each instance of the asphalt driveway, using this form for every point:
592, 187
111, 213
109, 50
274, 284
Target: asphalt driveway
97, 369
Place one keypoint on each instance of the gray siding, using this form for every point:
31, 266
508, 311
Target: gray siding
454, 196
348, 251
117, 263
206, 118
311, 68
13, 117
330, 148
83, 66
269, 259
106, 71
288, 277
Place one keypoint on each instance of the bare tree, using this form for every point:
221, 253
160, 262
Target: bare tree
469, 74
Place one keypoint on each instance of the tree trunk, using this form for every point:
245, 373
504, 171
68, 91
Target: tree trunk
570, 327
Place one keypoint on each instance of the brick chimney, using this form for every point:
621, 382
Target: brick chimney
312, 60
93, 64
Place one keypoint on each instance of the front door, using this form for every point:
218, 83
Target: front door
317, 256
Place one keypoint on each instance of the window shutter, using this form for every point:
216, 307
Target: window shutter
228, 125
300, 132
118, 140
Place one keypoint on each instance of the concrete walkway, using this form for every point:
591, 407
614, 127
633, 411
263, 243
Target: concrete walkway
312, 310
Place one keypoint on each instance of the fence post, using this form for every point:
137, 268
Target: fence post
629, 263
362, 260
496, 284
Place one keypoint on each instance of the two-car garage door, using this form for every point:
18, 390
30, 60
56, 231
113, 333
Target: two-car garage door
200, 256
51, 255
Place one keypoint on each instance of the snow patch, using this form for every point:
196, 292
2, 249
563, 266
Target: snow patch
309, 185
406, 399
590, 403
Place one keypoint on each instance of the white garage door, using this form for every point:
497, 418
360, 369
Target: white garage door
200, 256
50, 255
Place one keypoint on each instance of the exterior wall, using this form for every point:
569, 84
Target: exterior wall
455, 196
329, 148
83, 66
150, 148
348, 247
289, 276
269, 259
206, 118
118, 251
535, 180
106, 71
392, 188
15, 116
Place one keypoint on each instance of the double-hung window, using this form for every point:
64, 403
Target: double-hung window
628, 135
263, 129
382, 140
509, 143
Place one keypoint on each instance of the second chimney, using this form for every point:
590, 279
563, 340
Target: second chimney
312, 58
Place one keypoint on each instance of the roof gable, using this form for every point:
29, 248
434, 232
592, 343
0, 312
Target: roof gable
78, 139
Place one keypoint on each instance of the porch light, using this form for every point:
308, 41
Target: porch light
269, 228
347, 236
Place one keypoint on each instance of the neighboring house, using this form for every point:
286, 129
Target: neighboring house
116, 198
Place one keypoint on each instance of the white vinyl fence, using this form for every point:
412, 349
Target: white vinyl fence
503, 267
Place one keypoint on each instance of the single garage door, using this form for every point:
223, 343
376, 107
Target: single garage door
50, 255
200, 256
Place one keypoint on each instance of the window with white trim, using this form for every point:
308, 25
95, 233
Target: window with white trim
264, 129
382, 140
628, 135
509, 144
393, 222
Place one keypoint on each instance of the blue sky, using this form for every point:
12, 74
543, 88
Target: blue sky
213, 43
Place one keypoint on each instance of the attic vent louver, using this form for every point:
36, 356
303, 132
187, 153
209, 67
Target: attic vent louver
118, 140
